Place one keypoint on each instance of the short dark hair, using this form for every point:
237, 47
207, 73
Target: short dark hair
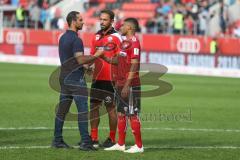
109, 12
72, 16
135, 23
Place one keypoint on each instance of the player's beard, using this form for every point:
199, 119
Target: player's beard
79, 28
123, 33
104, 28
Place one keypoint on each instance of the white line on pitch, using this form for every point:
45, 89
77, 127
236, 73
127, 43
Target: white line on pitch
148, 147
145, 128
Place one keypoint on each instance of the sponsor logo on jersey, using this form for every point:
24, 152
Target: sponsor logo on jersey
123, 54
97, 37
136, 51
110, 39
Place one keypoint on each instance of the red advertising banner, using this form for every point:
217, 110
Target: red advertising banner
150, 42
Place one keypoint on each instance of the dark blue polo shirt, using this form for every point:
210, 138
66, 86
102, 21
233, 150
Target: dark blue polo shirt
69, 44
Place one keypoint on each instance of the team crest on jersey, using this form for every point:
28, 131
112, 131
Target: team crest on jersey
134, 39
97, 37
110, 39
123, 54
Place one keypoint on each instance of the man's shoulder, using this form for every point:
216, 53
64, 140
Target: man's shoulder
135, 40
111, 35
117, 36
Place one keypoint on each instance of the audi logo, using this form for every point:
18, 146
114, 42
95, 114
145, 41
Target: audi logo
15, 37
188, 45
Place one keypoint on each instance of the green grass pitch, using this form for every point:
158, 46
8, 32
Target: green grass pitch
198, 120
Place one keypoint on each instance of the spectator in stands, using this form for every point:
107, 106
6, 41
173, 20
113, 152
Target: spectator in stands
177, 1
150, 26
160, 23
20, 16
189, 23
45, 4
204, 19
231, 2
178, 22
166, 8
170, 22
85, 4
194, 12
236, 31
35, 13
31, 3
58, 22
155, 1
223, 16
40, 3
43, 17
158, 9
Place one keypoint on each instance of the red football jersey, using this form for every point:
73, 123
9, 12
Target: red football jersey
104, 70
124, 62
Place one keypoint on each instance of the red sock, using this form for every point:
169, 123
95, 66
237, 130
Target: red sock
122, 127
112, 135
136, 130
94, 134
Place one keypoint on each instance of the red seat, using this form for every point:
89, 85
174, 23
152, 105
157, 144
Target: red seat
142, 22
139, 6
24, 3
237, 23
138, 14
142, 1
91, 21
107, 1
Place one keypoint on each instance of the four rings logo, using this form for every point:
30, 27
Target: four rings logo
15, 38
188, 45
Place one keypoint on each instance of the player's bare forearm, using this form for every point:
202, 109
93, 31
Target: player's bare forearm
133, 71
113, 60
83, 59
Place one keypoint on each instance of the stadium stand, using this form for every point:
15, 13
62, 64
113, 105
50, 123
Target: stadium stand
155, 16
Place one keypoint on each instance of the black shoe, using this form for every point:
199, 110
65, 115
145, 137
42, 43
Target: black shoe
95, 144
108, 143
60, 144
87, 147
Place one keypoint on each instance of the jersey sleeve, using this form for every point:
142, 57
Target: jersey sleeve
118, 48
135, 50
78, 46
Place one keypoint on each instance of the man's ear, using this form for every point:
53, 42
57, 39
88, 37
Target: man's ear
74, 22
112, 21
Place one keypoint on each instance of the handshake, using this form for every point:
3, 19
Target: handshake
99, 53
110, 46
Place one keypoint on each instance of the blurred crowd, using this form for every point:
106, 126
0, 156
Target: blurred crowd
189, 17
186, 17
36, 14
